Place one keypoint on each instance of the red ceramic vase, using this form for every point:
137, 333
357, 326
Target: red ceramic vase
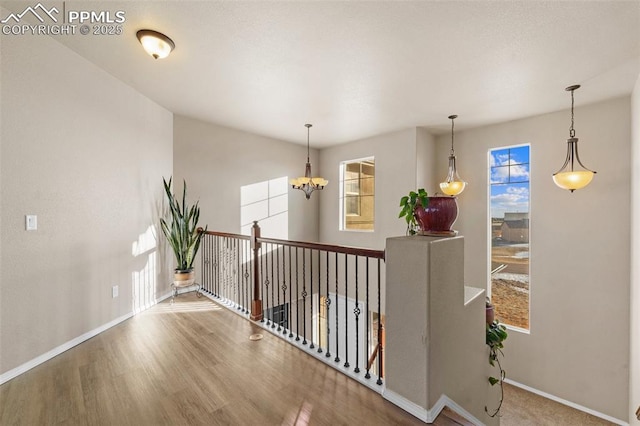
439, 216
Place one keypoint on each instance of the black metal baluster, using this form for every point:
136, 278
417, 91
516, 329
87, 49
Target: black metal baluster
268, 254
274, 285
225, 266
297, 307
304, 298
327, 302
356, 312
319, 305
368, 320
262, 274
290, 295
210, 264
247, 275
337, 359
346, 311
284, 294
239, 274
236, 273
379, 382
227, 269
311, 298
216, 256
203, 261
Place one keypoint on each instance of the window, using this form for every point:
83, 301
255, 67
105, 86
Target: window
509, 231
357, 194
268, 203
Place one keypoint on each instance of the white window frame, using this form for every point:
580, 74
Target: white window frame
342, 195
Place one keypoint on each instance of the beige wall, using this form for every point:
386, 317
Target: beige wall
634, 376
84, 152
395, 157
578, 348
217, 161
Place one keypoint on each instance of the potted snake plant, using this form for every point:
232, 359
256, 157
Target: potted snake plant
181, 230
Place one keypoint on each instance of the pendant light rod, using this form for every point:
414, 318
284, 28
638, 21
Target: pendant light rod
452, 117
308, 126
572, 132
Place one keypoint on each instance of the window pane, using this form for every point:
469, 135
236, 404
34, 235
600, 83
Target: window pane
352, 205
510, 202
499, 157
519, 155
358, 194
367, 185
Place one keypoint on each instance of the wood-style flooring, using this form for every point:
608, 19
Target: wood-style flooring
191, 363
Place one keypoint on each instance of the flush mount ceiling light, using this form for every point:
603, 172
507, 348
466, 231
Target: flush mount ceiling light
308, 184
155, 44
453, 185
568, 177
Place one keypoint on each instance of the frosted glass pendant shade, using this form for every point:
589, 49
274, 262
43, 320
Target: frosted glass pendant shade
573, 180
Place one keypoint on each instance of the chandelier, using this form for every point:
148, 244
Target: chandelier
567, 177
453, 185
308, 184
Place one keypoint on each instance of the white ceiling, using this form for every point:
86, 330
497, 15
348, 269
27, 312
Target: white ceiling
357, 69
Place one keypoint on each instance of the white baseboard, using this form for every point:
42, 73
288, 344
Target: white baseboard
11, 374
567, 403
429, 416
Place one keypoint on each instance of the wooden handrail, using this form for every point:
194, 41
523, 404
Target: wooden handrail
356, 251
225, 234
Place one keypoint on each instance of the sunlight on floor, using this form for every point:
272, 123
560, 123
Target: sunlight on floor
301, 417
177, 306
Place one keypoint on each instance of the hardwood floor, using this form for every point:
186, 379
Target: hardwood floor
191, 363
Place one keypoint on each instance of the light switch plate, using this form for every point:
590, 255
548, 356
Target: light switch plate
114, 291
31, 222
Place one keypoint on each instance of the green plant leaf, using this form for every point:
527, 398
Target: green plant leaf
493, 381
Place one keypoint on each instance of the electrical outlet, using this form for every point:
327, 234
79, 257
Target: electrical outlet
114, 291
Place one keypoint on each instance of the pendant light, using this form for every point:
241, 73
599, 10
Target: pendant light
453, 185
155, 44
568, 177
308, 184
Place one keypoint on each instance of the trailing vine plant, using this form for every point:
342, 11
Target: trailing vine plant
408, 204
496, 335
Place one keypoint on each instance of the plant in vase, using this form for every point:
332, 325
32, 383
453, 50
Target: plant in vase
429, 215
182, 233
495, 337
408, 205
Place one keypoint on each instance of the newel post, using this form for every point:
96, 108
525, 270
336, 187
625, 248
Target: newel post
256, 302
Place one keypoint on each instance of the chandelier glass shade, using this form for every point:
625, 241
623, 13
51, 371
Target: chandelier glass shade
570, 176
307, 183
453, 184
